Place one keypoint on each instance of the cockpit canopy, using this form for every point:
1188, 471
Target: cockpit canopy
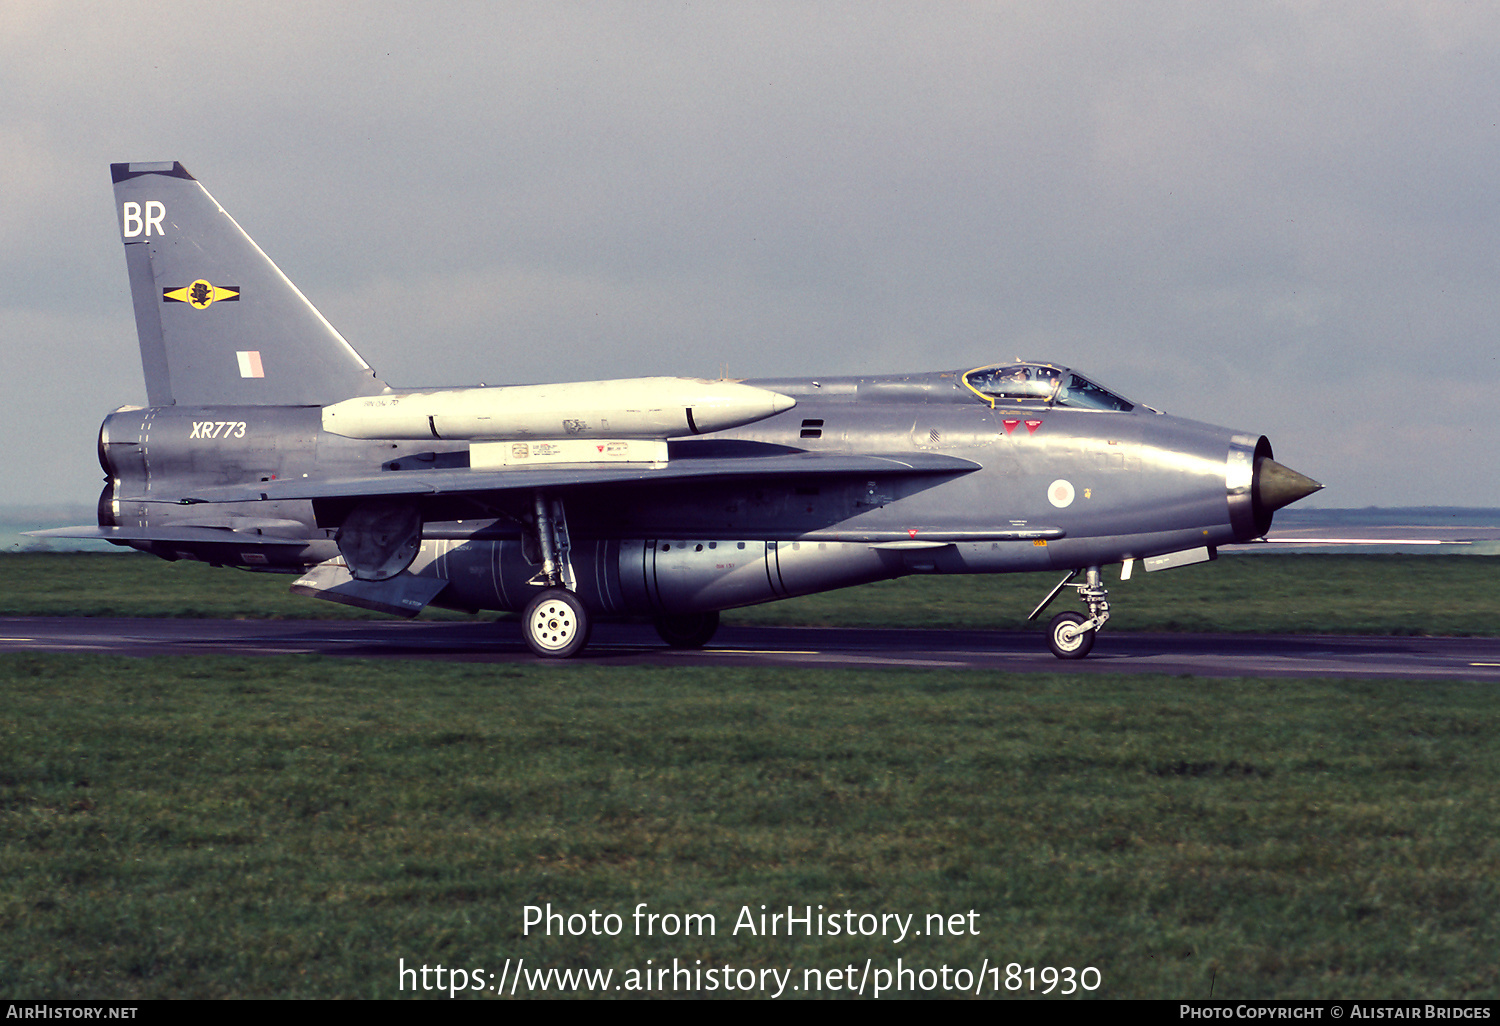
1041, 384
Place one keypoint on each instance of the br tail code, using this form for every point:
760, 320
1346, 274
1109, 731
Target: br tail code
136, 222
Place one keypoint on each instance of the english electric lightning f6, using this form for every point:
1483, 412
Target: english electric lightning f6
269, 444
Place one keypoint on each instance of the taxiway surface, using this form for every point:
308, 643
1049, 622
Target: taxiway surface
1208, 655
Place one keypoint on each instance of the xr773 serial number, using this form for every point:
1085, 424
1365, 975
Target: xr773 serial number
218, 429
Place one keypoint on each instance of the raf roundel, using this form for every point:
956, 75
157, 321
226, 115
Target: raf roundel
1060, 493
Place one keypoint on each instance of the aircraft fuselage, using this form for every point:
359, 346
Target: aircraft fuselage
1055, 488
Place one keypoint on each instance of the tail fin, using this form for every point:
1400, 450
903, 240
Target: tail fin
218, 321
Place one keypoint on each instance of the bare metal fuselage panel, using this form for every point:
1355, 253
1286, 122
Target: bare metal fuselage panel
836, 491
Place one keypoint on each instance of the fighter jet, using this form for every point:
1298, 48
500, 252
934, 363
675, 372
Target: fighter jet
269, 444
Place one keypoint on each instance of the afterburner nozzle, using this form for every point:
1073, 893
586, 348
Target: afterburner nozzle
1277, 486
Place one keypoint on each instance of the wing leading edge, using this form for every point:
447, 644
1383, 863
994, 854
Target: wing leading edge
460, 481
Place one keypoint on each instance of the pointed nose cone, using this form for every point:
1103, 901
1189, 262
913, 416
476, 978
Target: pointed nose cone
1277, 486
781, 403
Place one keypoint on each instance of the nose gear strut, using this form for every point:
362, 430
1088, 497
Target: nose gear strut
1071, 635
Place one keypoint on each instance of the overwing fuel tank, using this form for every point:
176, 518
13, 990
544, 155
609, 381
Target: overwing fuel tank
627, 408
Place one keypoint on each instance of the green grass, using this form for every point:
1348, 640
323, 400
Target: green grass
1434, 595
129, 584
1291, 594
294, 826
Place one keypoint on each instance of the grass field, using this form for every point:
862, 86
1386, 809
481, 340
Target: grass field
298, 826
295, 826
1438, 595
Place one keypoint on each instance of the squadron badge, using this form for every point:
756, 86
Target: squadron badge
200, 295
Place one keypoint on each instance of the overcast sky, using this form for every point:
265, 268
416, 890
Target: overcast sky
1277, 217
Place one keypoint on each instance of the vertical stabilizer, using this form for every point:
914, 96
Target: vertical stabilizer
219, 323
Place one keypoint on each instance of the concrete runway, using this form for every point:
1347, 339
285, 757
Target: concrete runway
1207, 655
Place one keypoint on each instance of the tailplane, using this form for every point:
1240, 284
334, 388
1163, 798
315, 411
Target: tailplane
219, 324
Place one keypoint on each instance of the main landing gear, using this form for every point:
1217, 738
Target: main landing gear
1071, 635
556, 623
687, 630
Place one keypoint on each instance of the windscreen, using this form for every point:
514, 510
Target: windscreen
1082, 393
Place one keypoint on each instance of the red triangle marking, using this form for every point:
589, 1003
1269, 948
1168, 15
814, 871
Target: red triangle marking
1032, 425
599, 447
911, 532
1011, 425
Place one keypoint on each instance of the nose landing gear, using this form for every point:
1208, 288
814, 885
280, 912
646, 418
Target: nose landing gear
1071, 635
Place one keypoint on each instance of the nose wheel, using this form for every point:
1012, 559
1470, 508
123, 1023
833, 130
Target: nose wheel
1071, 635
1068, 637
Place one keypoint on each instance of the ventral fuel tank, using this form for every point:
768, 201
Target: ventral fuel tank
627, 408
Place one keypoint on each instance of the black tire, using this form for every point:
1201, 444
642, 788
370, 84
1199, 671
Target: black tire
1064, 638
688, 630
556, 624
